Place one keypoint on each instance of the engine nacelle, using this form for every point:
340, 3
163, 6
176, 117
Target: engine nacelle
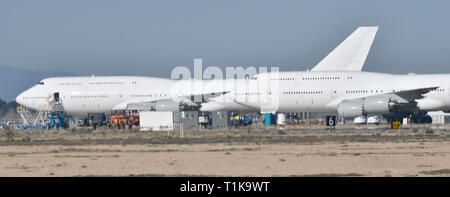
363, 107
165, 106
350, 109
377, 105
162, 105
211, 106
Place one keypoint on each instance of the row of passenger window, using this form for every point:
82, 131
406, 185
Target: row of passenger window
363, 91
147, 95
70, 83
97, 83
89, 96
381, 91
310, 78
247, 93
34, 97
304, 92
436, 90
283, 78
320, 78
107, 83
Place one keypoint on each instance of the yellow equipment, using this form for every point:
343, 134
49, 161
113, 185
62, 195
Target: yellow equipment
396, 125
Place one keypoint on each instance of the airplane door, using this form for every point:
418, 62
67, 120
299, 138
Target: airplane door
448, 89
333, 93
297, 83
298, 79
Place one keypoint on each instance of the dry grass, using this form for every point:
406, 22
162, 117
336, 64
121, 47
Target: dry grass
9, 132
310, 153
333, 175
436, 172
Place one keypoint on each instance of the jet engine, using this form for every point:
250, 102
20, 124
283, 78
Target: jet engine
163, 105
365, 106
350, 109
378, 105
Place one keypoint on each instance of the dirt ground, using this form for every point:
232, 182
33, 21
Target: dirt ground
360, 152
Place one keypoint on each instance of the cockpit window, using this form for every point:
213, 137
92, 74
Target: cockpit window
40, 83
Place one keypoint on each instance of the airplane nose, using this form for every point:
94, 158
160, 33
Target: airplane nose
19, 99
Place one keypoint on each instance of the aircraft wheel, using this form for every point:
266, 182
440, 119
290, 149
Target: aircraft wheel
428, 119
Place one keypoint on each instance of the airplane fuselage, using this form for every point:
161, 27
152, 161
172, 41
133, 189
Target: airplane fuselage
284, 92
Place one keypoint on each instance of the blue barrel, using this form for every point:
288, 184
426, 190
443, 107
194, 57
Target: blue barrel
270, 119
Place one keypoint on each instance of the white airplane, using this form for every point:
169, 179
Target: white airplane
336, 85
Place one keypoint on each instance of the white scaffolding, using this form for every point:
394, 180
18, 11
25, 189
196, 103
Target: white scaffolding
40, 118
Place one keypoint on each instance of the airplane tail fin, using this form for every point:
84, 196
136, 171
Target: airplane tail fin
351, 54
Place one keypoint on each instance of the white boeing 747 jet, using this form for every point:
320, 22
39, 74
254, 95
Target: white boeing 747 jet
336, 85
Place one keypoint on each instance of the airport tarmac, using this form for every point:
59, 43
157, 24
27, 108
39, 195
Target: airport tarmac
418, 151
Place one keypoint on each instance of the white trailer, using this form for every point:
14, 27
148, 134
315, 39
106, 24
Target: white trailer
360, 120
376, 119
156, 121
439, 117
281, 119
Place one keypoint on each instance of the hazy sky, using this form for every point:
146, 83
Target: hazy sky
152, 37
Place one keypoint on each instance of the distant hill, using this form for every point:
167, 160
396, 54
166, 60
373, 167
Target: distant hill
15, 80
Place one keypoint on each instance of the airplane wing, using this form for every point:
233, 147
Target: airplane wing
414, 94
402, 97
190, 102
351, 54
399, 102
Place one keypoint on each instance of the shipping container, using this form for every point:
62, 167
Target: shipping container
156, 121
